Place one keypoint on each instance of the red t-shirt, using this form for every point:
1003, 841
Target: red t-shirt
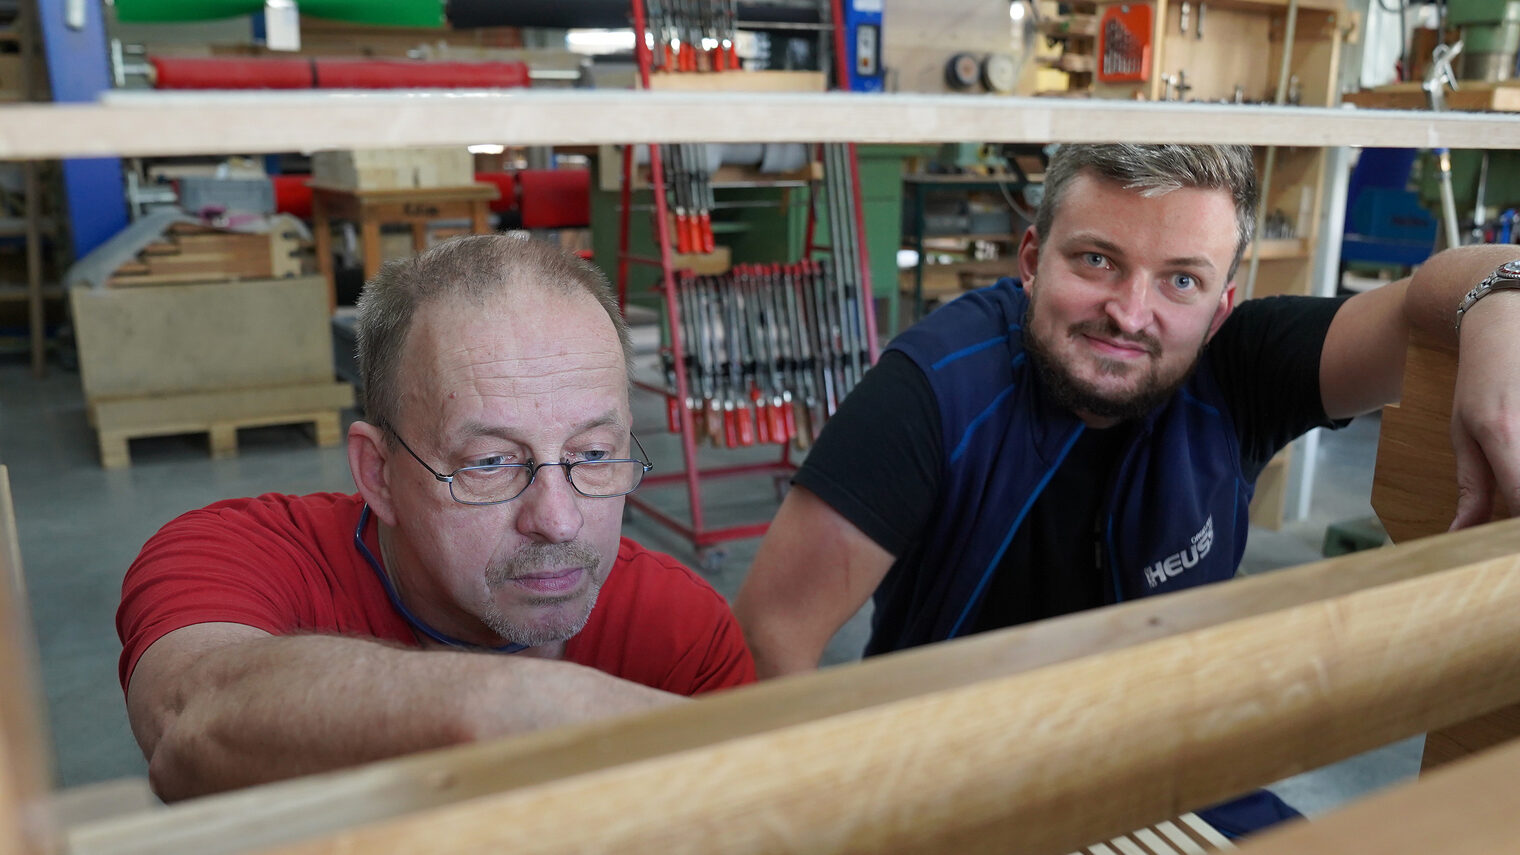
288, 564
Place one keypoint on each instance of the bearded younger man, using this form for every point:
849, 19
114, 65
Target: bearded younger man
1094, 434
475, 586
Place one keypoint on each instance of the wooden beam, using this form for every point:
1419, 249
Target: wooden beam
1044, 761
224, 123
964, 745
25, 774
1414, 492
1464, 809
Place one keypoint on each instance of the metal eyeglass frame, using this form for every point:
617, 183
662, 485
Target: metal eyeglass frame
532, 469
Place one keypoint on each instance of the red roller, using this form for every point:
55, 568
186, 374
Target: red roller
186, 72
506, 183
292, 195
405, 74
555, 198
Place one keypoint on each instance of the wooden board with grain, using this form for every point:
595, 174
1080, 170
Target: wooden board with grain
1476, 95
191, 254
1465, 809
1042, 761
25, 773
1298, 665
1414, 492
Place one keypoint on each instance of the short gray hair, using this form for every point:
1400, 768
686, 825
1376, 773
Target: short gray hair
1157, 169
471, 268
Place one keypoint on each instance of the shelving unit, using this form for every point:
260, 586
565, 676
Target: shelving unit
21, 32
1232, 51
679, 390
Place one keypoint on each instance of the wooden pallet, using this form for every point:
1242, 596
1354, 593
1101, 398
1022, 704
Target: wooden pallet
190, 253
218, 414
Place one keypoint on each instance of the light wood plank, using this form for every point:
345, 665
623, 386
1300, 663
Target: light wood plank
1414, 492
1313, 689
25, 776
1041, 761
1464, 809
169, 123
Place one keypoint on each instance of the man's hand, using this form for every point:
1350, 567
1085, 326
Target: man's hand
1485, 413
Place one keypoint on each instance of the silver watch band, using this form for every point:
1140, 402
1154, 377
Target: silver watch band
1506, 278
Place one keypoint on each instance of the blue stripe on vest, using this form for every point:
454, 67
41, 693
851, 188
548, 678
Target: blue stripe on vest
975, 348
1191, 399
997, 558
983, 416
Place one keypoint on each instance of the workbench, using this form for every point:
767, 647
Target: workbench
414, 206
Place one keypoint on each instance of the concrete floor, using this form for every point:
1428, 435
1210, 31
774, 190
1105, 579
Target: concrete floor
80, 526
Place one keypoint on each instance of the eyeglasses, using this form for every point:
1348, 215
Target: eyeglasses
493, 485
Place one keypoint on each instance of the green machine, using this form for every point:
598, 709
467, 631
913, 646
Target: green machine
1490, 37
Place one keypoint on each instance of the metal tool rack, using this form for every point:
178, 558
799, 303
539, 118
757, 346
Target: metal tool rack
846, 232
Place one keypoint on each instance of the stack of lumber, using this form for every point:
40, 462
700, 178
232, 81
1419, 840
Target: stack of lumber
193, 253
393, 168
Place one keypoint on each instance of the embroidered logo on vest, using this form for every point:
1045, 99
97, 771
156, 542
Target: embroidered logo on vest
1173, 564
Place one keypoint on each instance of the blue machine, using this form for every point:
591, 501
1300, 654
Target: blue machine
79, 71
1385, 223
862, 23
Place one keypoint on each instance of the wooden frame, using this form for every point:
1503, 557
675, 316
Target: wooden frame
1033, 739
225, 123
25, 773
1051, 735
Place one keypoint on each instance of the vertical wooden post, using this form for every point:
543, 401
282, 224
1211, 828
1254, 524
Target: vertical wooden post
1415, 495
25, 776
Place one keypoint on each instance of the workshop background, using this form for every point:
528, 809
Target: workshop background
174, 331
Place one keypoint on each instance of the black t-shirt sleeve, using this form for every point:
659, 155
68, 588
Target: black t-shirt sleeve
878, 460
1266, 357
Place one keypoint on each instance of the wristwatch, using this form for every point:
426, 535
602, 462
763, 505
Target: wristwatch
1507, 277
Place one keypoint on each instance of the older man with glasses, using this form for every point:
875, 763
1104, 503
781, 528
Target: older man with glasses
283, 635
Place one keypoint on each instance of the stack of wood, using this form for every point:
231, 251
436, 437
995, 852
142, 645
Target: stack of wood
192, 253
393, 168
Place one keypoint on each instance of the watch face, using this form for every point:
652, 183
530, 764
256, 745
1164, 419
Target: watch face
1509, 269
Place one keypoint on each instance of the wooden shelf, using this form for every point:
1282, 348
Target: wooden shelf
739, 81
154, 124
1501, 97
996, 236
1282, 248
14, 293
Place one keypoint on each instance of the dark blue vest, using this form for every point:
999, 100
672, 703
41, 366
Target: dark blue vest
1176, 508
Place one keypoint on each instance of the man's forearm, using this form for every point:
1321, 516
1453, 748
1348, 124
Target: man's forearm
1439, 284
275, 708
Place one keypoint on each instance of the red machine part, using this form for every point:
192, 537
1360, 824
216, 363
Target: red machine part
506, 185
292, 195
408, 74
549, 198
188, 72
555, 198
318, 73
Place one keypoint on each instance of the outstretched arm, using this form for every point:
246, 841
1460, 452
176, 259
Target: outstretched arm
217, 705
1362, 366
